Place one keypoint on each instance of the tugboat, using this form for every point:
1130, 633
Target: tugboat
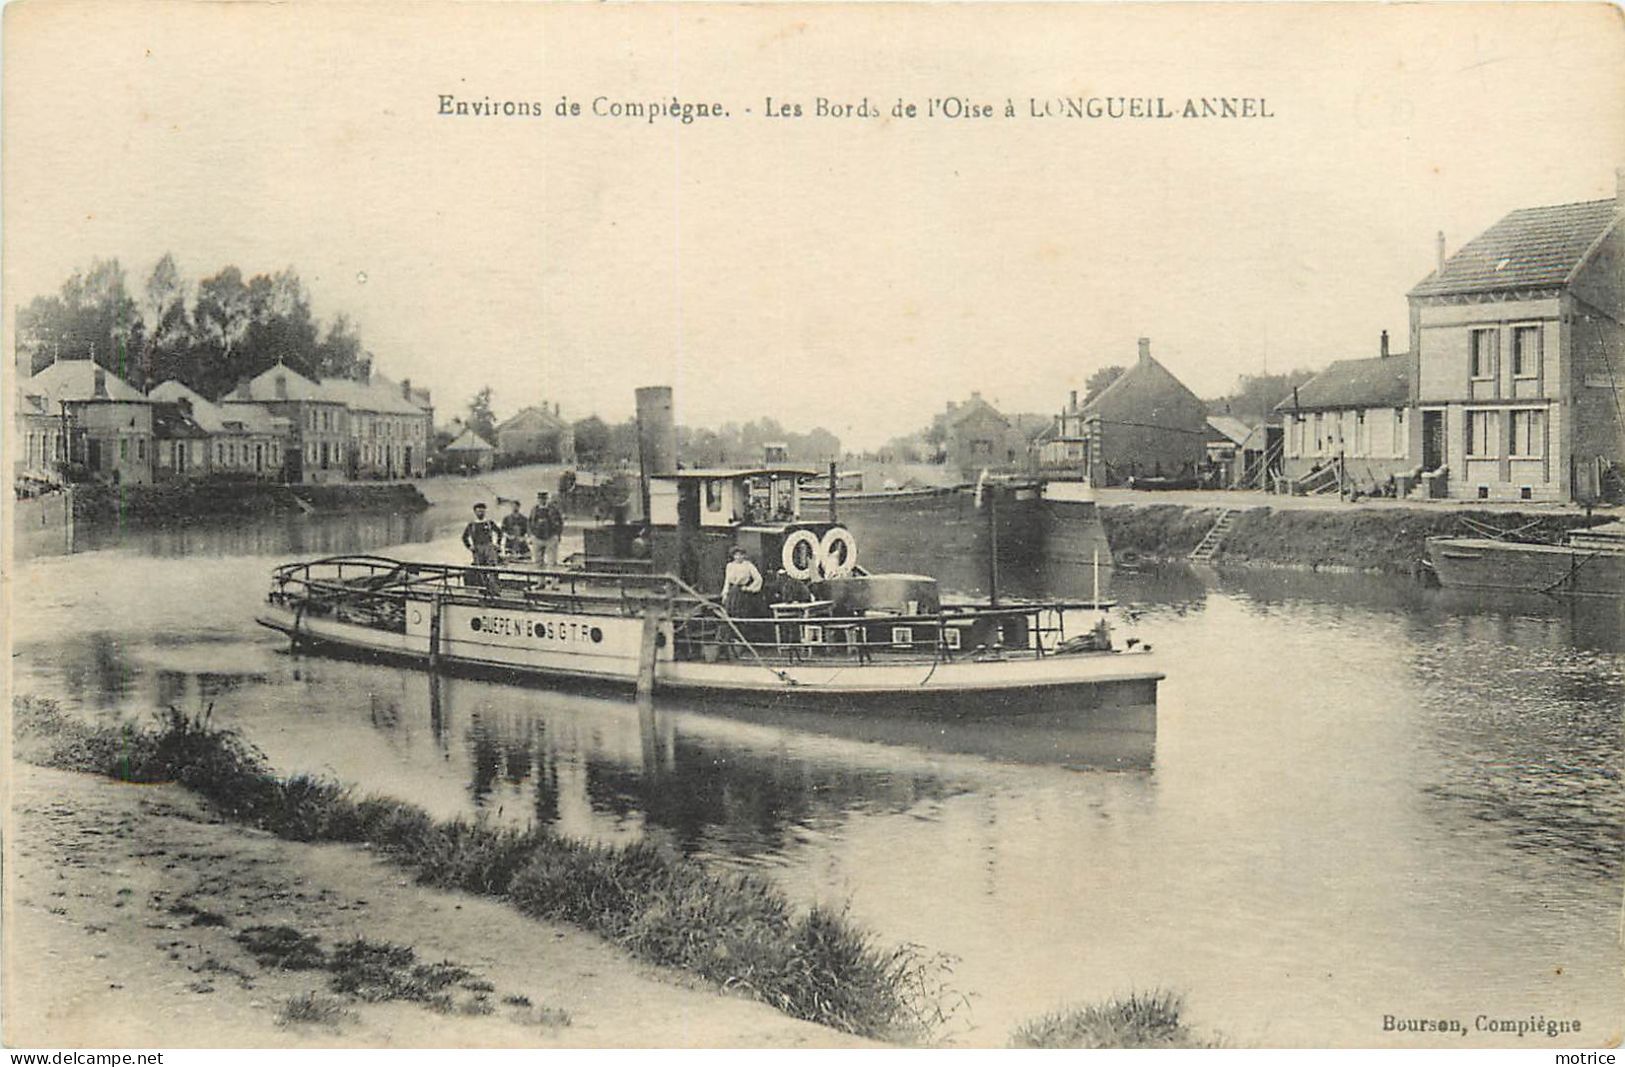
642, 606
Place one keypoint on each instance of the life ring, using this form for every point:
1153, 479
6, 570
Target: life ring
838, 552
793, 566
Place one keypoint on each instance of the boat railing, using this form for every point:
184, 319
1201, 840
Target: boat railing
372, 590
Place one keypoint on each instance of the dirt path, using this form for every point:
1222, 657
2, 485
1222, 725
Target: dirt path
124, 904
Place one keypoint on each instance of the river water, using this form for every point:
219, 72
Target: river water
1363, 797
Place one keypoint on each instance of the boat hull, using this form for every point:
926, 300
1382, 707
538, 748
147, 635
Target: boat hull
965, 688
1483, 563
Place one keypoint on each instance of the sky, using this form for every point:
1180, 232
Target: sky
851, 273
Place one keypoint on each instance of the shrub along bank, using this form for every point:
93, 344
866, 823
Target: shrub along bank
1354, 538
173, 502
736, 930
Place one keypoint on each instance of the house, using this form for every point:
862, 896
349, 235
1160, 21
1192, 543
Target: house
1226, 435
1352, 418
540, 434
105, 423
41, 436
319, 420
180, 446
1144, 424
469, 453
1518, 372
243, 439
977, 437
389, 433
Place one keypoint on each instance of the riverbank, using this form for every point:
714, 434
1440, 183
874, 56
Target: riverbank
1352, 537
182, 502
131, 907
735, 931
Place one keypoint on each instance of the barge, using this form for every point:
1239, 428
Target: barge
1591, 562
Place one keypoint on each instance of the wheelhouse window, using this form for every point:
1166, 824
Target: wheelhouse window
1526, 434
1481, 426
713, 494
1481, 354
1526, 351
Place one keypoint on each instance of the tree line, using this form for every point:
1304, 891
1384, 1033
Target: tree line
604, 444
210, 334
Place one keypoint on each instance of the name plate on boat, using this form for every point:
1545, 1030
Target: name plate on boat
466, 625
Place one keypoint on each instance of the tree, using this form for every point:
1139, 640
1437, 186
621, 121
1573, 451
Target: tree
168, 327
592, 440
222, 315
340, 354
1256, 395
480, 416
1100, 380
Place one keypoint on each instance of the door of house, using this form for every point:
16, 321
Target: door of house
1434, 452
93, 458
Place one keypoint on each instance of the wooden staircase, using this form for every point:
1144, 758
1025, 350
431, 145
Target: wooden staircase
1204, 551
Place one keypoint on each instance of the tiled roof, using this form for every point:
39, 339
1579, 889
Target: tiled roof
1536, 246
75, 379
171, 421
549, 421
238, 417
368, 396
470, 441
1229, 427
262, 387
1378, 382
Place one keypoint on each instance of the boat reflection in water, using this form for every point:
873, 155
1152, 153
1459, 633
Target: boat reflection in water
735, 782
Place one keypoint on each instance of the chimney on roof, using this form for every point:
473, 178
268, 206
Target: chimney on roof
1145, 349
1385, 344
282, 387
556, 410
1074, 403
406, 388
243, 390
98, 389
1439, 242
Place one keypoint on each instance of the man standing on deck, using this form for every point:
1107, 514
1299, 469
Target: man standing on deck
547, 526
514, 529
480, 538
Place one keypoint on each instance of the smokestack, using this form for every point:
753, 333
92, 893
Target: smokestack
99, 386
557, 411
1074, 404
1145, 349
1385, 344
282, 387
1440, 243
657, 435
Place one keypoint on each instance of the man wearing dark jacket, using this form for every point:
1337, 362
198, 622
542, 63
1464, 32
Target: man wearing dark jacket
547, 526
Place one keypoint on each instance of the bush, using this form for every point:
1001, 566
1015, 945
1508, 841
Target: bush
1139, 1020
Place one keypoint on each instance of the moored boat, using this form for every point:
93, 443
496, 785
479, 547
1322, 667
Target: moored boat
1591, 562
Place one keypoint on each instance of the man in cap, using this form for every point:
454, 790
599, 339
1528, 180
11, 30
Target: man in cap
480, 537
547, 526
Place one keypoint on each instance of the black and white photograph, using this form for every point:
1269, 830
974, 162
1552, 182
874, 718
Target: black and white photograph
813, 526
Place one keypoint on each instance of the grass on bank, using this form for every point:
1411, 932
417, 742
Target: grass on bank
1139, 1020
736, 930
